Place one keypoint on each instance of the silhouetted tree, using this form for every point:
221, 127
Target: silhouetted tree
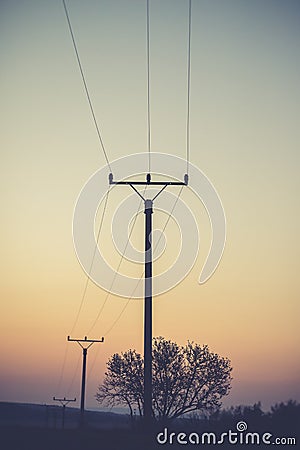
286, 416
282, 418
185, 378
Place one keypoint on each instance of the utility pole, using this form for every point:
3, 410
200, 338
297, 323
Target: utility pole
85, 344
64, 401
148, 312
148, 203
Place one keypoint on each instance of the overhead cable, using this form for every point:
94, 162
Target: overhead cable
85, 86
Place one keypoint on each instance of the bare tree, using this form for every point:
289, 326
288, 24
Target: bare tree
185, 379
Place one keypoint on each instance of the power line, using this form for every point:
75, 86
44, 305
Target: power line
76, 370
83, 296
117, 269
148, 203
85, 85
62, 369
188, 89
110, 329
148, 87
118, 317
92, 262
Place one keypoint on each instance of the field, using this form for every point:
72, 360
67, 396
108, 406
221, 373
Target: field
41, 427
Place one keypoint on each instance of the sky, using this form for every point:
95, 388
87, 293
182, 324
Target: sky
244, 135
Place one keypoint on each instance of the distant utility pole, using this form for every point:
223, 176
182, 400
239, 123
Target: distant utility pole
82, 343
64, 401
148, 203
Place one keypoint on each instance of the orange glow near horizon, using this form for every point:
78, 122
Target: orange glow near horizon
244, 136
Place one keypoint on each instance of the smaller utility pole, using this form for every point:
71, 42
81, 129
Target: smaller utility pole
85, 344
64, 401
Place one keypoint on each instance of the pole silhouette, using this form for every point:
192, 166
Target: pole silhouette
148, 311
64, 401
85, 348
148, 203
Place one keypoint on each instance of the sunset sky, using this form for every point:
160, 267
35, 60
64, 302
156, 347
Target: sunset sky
245, 134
